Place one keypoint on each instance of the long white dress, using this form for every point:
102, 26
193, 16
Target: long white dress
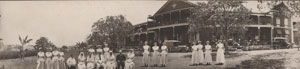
194, 54
129, 64
208, 58
106, 53
146, 53
111, 62
81, 61
49, 62
55, 60
81, 65
163, 55
155, 57
91, 61
220, 53
200, 54
41, 61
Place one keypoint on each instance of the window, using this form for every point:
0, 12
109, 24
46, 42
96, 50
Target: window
277, 22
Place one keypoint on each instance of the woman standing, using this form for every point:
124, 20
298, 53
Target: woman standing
220, 53
194, 54
164, 53
129, 64
146, 53
208, 57
71, 62
99, 59
91, 59
200, 53
55, 60
49, 60
81, 59
155, 57
106, 51
61, 59
111, 62
41, 60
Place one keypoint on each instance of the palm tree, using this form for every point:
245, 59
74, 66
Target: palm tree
23, 43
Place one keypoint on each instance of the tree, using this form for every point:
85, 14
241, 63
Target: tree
292, 5
226, 19
23, 43
43, 44
81, 45
112, 29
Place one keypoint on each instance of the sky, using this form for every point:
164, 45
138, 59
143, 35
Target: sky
65, 22
68, 22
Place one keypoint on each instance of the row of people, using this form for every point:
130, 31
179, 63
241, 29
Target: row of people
202, 54
51, 60
158, 58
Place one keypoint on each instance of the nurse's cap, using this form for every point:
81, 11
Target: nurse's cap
110, 51
55, 53
41, 54
91, 50
48, 54
99, 50
61, 53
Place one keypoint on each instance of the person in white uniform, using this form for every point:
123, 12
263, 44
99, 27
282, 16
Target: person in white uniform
220, 53
99, 58
71, 62
155, 56
111, 62
129, 64
61, 59
81, 61
106, 50
208, 58
55, 60
194, 54
91, 59
164, 52
49, 60
146, 56
41, 60
200, 53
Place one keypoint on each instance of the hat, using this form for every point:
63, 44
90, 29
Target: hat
110, 51
91, 50
99, 50
41, 54
55, 53
48, 54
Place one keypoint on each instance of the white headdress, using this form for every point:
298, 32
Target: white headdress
99, 50
41, 54
48, 54
55, 53
61, 53
91, 50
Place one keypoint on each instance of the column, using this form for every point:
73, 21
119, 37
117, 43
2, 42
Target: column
174, 37
258, 19
258, 30
292, 30
179, 17
271, 36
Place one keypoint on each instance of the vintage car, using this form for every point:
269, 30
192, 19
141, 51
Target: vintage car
176, 46
280, 43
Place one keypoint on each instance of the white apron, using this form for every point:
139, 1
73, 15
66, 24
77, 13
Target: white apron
163, 54
111, 62
208, 58
155, 57
200, 54
194, 54
146, 53
220, 53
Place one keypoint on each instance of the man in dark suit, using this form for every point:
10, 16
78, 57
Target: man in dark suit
120, 60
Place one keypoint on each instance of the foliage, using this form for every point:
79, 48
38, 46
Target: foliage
286, 7
81, 45
112, 29
8, 54
43, 44
24, 41
224, 18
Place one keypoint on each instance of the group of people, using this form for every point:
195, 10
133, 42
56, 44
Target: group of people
101, 58
201, 54
158, 56
51, 60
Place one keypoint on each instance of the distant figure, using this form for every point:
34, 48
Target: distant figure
91, 59
41, 60
208, 57
82, 59
164, 52
155, 57
146, 56
111, 62
71, 62
61, 59
55, 60
194, 54
200, 53
220, 53
106, 50
129, 61
121, 60
49, 62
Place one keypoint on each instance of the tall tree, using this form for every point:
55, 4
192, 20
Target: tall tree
292, 5
112, 29
224, 18
44, 44
23, 43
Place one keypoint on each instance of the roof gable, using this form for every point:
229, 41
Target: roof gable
174, 5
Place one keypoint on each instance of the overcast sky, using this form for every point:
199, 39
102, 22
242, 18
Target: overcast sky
68, 22
65, 22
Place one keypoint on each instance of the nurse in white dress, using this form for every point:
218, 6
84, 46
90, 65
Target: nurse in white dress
91, 59
194, 54
49, 62
200, 53
129, 64
61, 59
155, 56
111, 62
81, 61
106, 50
220, 53
146, 57
55, 60
208, 58
99, 58
164, 52
41, 60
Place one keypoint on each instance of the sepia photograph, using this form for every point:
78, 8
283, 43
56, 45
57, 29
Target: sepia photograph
150, 34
